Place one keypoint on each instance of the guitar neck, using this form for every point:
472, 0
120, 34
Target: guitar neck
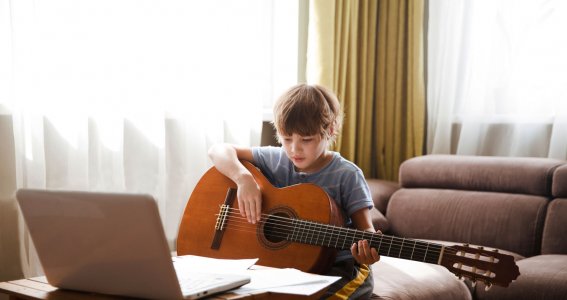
341, 238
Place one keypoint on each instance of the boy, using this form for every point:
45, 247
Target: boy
307, 118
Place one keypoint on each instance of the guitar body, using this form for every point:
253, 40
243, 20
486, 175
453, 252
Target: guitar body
240, 239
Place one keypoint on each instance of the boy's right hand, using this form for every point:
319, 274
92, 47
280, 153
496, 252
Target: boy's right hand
249, 198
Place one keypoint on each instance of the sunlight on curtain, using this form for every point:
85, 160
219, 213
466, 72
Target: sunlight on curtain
127, 96
497, 78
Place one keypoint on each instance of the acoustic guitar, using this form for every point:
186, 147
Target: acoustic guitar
301, 227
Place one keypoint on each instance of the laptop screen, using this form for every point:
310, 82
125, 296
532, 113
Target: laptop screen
100, 242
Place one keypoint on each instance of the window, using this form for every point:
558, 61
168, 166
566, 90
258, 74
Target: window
497, 77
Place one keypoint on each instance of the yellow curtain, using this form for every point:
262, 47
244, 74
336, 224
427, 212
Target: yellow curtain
370, 52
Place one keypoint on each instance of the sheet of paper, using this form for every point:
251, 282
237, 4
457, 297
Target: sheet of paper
200, 264
307, 289
289, 281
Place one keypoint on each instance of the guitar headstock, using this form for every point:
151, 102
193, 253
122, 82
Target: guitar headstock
479, 264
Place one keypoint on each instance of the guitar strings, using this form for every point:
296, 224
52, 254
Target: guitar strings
241, 224
416, 252
314, 229
249, 228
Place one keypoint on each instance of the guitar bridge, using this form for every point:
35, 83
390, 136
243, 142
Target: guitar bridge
222, 218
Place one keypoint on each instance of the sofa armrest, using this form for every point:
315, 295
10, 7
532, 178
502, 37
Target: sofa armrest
381, 191
379, 221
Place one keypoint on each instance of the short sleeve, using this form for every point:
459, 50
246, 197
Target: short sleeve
356, 193
271, 161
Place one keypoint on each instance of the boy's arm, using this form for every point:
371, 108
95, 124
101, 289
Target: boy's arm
226, 159
361, 251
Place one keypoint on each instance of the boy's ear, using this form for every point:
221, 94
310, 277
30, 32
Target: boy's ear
331, 130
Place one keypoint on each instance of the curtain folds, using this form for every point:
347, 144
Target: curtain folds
401, 85
130, 104
371, 54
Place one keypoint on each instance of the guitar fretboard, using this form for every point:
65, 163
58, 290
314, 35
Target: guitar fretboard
312, 233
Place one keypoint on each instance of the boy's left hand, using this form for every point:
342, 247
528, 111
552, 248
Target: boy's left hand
363, 254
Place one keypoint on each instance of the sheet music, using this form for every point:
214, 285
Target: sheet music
289, 281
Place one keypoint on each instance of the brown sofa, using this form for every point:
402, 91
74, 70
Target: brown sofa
516, 205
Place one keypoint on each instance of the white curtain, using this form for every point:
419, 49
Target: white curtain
127, 96
497, 77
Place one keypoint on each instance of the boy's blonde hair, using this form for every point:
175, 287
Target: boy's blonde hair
308, 110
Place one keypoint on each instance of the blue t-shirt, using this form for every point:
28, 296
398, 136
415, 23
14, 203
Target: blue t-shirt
342, 180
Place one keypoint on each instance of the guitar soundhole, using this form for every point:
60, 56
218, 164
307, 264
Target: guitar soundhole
275, 229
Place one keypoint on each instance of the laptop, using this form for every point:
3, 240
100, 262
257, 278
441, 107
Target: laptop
110, 244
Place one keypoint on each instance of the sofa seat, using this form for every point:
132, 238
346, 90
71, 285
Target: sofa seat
401, 279
543, 277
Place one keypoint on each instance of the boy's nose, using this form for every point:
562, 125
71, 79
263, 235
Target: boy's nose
294, 147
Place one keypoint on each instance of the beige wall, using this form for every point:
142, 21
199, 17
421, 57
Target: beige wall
10, 267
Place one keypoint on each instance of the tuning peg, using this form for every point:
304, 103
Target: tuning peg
495, 250
480, 248
466, 244
488, 286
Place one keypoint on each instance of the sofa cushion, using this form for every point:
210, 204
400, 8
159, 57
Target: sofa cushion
542, 277
505, 221
521, 175
554, 240
559, 187
405, 279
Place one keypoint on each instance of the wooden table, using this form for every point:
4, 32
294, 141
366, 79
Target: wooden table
38, 288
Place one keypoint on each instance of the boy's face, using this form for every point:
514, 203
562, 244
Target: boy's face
308, 153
